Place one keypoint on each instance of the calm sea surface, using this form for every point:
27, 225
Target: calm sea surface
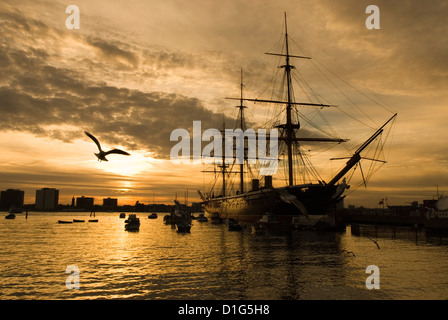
209, 263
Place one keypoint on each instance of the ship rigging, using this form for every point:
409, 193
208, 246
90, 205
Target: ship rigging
313, 201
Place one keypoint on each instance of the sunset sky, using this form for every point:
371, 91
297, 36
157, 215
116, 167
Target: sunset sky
137, 70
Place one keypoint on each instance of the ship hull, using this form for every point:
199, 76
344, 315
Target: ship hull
314, 204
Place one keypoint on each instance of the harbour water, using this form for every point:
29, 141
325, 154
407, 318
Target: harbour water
210, 263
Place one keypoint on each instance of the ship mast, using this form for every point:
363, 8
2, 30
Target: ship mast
289, 127
224, 165
290, 137
241, 114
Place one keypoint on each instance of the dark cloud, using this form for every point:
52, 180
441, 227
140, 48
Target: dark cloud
114, 54
50, 90
50, 100
408, 52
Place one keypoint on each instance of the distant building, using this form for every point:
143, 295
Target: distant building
47, 199
110, 203
11, 198
85, 203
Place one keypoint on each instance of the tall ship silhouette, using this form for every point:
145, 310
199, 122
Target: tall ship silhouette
313, 203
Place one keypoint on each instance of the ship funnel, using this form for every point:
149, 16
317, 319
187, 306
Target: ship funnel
268, 182
255, 184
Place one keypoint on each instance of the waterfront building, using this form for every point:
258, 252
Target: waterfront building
11, 198
85, 203
47, 199
110, 203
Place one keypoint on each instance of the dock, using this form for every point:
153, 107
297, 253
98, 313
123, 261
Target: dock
395, 226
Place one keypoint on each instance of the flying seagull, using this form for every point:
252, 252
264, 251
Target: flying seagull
349, 252
378, 246
102, 155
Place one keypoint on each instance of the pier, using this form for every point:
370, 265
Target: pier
420, 227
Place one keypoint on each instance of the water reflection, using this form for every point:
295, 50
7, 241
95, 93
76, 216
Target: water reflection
209, 263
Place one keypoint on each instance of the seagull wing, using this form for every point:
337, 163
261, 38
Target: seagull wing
117, 151
94, 139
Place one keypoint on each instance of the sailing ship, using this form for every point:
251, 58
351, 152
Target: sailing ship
184, 223
313, 204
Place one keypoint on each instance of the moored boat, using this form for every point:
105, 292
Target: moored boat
183, 223
183, 227
202, 218
258, 227
172, 219
233, 225
269, 219
132, 223
215, 218
15, 209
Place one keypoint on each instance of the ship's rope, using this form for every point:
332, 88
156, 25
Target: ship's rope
378, 102
300, 79
308, 167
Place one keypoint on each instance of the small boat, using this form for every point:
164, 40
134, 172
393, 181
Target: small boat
269, 219
258, 227
64, 222
122, 215
172, 218
183, 227
215, 218
10, 216
132, 223
93, 220
233, 225
153, 216
15, 209
75, 220
202, 218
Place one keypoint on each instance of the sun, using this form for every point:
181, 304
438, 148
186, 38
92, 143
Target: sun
127, 166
